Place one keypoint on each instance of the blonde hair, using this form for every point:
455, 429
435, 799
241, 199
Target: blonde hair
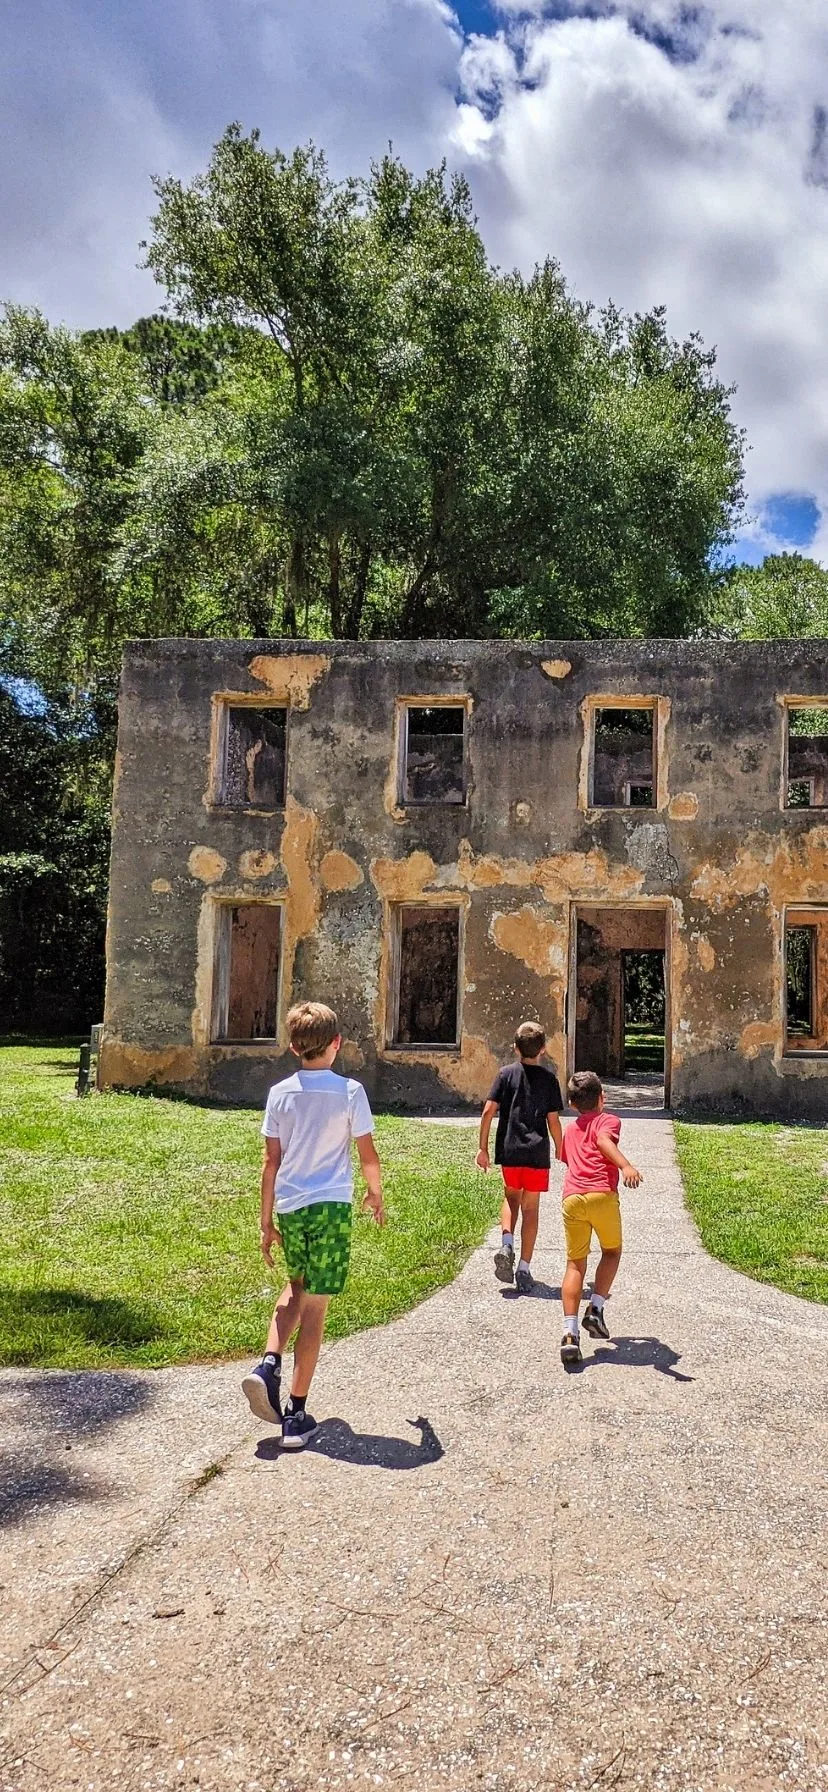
311, 1028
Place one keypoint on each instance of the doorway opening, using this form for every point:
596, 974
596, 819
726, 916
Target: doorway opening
619, 1006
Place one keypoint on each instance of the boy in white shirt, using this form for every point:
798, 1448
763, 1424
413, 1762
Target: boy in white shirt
310, 1119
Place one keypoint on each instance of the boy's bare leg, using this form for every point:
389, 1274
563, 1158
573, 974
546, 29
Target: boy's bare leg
530, 1209
504, 1261
312, 1313
509, 1211
606, 1272
285, 1318
572, 1287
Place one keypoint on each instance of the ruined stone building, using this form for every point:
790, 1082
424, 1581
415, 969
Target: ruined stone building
444, 838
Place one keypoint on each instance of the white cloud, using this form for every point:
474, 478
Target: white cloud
660, 153
95, 98
682, 176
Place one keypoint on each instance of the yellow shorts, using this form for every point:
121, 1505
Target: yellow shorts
584, 1214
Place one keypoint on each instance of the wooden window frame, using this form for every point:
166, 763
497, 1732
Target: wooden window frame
403, 705
223, 702
787, 703
598, 700
631, 784
801, 915
222, 946
438, 901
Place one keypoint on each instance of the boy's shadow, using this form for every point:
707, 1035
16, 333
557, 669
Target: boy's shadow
336, 1439
540, 1291
635, 1353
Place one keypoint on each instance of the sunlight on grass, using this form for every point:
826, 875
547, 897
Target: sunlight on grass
759, 1196
130, 1223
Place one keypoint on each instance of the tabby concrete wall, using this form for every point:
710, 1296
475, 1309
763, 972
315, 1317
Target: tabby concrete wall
719, 851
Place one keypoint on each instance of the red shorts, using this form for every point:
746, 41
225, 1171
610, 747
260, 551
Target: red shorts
523, 1179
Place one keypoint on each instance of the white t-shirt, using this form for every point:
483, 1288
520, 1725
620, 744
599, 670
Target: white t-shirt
315, 1114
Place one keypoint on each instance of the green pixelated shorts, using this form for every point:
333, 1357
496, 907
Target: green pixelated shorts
317, 1245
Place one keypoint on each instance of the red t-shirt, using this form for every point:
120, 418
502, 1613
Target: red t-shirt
587, 1172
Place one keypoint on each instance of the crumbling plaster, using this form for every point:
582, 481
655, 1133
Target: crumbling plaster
519, 855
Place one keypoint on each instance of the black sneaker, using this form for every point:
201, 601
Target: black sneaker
524, 1281
570, 1349
261, 1388
593, 1321
504, 1264
296, 1429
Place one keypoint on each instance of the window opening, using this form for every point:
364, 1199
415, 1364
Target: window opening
623, 758
435, 754
801, 793
247, 983
254, 757
644, 1010
800, 965
807, 757
428, 976
638, 796
618, 1002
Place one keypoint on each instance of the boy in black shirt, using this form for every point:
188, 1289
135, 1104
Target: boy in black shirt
527, 1099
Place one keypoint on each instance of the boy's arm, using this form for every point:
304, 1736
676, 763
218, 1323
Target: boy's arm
268, 1235
370, 1166
482, 1159
553, 1121
611, 1154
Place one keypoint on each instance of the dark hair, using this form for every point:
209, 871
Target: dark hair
584, 1091
530, 1039
311, 1028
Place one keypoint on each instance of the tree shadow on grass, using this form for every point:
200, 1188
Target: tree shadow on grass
336, 1439
634, 1353
36, 1323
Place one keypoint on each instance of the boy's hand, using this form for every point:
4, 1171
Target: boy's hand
482, 1160
268, 1237
372, 1203
632, 1176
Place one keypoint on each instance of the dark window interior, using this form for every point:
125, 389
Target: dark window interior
435, 755
254, 760
799, 981
248, 971
623, 759
807, 758
428, 976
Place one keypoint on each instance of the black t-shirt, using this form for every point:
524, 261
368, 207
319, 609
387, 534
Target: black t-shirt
525, 1094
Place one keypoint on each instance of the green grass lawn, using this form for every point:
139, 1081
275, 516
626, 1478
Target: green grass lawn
643, 1049
129, 1224
759, 1195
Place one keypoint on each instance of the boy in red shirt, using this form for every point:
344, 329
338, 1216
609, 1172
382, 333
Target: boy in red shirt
590, 1204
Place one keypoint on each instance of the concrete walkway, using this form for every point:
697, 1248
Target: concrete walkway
486, 1573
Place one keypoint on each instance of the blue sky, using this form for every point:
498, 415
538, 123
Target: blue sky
662, 152
475, 15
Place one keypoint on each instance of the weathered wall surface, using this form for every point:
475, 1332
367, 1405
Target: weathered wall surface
520, 855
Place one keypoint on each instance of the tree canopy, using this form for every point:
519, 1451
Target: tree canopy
784, 598
347, 422
351, 423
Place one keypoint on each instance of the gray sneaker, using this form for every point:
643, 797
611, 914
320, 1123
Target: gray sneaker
524, 1281
570, 1349
593, 1321
504, 1264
